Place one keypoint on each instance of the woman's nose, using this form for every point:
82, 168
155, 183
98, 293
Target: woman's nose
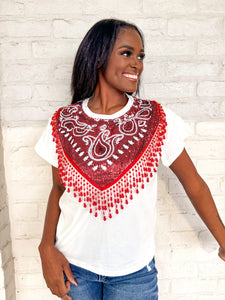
134, 62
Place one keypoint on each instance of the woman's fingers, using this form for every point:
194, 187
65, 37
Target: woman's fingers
61, 288
66, 297
54, 264
69, 274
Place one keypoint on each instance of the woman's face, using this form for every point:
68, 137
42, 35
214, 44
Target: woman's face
125, 64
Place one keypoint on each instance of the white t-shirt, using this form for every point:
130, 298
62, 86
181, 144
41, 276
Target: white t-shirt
125, 243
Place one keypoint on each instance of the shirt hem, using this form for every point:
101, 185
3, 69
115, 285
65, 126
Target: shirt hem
169, 162
116, 273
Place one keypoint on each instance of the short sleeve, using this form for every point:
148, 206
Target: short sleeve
176, 132
46, 148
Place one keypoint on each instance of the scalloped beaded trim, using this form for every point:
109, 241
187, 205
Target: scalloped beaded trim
105, 202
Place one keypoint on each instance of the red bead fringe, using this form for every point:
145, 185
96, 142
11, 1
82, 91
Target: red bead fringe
112, 199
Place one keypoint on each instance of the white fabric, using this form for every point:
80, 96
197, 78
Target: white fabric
46, 148
176, 133
125, 243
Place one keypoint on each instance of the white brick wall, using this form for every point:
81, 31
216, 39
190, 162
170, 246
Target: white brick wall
184, 70
2, 281
7, 281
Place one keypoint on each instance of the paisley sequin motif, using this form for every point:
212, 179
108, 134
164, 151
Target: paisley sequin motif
104, 162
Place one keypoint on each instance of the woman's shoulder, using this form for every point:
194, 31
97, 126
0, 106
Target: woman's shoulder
69, 108
154, 104
146, 100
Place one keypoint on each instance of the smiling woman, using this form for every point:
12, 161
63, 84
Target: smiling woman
95, 51
125, 64
98, 239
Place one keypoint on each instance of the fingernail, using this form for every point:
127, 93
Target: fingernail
75, 282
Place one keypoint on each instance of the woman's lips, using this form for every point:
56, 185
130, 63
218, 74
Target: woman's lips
131, 76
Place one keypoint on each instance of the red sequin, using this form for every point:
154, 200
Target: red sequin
85, 161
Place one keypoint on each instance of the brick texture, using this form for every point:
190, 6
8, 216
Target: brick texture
184, 70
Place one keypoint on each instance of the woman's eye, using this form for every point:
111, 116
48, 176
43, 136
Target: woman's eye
141, 56
126, 53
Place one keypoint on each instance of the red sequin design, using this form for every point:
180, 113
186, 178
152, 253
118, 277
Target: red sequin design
105, 197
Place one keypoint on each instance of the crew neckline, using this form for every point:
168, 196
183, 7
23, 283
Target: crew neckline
117, 114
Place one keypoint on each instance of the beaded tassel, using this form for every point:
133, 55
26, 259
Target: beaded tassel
104, 202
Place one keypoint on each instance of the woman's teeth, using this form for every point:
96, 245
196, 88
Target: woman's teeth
132, 76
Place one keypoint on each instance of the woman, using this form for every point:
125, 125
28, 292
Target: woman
98, 235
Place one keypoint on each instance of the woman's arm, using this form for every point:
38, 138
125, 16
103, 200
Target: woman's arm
53, 261
200, 196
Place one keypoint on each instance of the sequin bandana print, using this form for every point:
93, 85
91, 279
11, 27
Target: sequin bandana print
103, 162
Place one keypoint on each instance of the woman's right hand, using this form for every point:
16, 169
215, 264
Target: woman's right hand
54, 264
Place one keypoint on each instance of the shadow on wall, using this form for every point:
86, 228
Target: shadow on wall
7, 286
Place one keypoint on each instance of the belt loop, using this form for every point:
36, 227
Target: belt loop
148, 267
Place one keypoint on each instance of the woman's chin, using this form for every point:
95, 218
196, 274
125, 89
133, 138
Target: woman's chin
131, 91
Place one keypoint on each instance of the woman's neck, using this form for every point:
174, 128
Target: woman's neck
107, 101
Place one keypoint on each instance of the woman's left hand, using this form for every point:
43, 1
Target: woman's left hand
221, 253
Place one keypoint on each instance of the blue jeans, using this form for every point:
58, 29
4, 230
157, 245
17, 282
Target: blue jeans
140, 285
